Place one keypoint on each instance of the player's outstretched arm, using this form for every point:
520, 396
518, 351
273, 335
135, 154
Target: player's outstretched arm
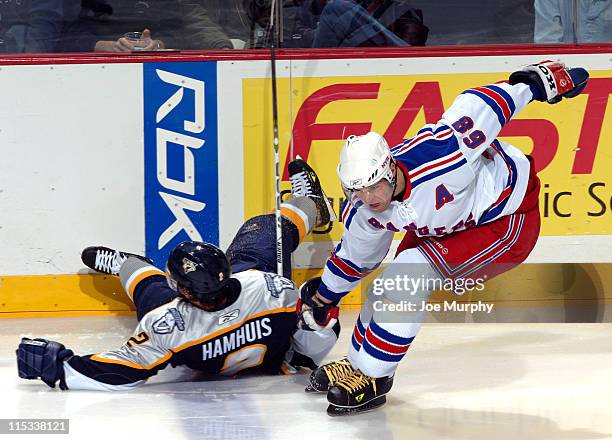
51, 362
479, 114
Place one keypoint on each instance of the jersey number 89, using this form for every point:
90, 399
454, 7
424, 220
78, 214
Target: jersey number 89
475, 138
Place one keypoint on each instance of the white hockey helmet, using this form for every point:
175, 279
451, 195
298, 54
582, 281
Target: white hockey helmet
364, 161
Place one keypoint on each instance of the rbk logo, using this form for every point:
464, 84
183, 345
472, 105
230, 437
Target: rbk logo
230, 316
181, 155
186, 186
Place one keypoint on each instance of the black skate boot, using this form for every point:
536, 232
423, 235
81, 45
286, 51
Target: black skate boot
326, 376
107, 260
357, 393
305, 183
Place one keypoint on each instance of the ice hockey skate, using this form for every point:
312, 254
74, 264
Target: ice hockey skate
106, 260
305, 183
326, 376
357, 393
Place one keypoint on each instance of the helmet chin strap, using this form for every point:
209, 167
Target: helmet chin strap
394, 179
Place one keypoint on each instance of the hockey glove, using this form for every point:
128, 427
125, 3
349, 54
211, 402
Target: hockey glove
40, 358
551, 81
313, 316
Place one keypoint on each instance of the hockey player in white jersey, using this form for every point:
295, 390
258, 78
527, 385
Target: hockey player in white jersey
216, 313
467, 203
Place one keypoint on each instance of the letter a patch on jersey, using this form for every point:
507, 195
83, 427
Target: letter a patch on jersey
443, 196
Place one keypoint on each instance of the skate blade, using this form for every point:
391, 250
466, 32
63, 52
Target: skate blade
312, 390
336, 411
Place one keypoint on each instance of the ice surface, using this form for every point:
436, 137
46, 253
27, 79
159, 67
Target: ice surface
458, 381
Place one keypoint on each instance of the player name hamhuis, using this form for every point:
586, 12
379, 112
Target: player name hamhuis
249, 332
424, 306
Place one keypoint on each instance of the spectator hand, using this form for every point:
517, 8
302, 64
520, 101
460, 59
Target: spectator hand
123, 44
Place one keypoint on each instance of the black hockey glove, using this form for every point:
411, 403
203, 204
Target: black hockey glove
551, 81
312, 315
40, 358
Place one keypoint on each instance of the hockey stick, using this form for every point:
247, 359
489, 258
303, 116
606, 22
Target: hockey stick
277, 212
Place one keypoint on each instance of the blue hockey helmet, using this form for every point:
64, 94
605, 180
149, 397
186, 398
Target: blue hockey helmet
201, 268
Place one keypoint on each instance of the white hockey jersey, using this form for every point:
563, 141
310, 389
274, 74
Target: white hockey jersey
458, 176
253, 333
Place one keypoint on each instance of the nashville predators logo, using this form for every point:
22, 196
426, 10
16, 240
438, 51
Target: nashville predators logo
166, 324
188, 266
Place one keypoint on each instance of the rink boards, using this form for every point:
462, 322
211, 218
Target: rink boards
143, 155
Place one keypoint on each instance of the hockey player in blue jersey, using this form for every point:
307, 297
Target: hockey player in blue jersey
467, 203
215, 312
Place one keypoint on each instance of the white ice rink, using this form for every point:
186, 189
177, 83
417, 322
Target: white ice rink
458, 381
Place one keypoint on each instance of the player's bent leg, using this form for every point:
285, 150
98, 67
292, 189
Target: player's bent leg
397, 313
254, 245
302, 213
361, 325
326, 376
146, 285
488, 250
396, 318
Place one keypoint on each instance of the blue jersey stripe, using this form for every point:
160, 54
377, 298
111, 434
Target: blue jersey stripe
441, 128
488, 215
360, 326
378, 354
338, 272
500, 252
427, 177
388, 337
506, 97
428, 151
330, 294
491, 103
398, 146
349, 219
348, 262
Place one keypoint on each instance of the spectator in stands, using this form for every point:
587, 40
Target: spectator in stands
232, 19
258, 13
30, 25
358, 23
576, 21
340, 23
182, 24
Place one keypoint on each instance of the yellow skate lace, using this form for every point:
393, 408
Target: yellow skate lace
356, 381
338, 370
